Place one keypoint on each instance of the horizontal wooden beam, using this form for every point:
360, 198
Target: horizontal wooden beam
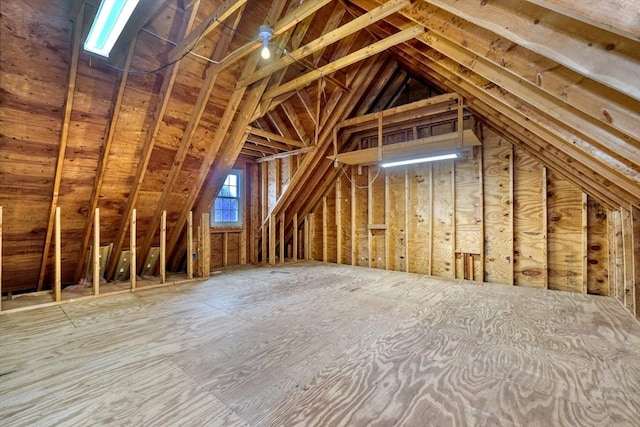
402, 109
286, 154
403, 150
350, 59
269, 135
325, 40
225, 10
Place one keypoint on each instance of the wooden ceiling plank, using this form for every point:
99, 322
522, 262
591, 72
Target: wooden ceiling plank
325, 40
64, 136
612, 108
275, 137
616, 16
266, 143
332, 23
164, 94
234, 140
350, 59
222, 46
224, 11
587, 50
104, 160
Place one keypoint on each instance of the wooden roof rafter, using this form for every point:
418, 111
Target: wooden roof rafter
64, 136
164, 95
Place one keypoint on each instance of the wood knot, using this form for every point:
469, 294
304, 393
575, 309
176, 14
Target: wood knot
555, 217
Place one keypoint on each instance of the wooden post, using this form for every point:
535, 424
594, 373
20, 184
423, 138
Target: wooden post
307, 252
369, 216
205, 261
282, 238
585, 243
0, 258
431, 219
265, 201
387, 231
96, 252
133, 256
295, 237
454, 269
325, 243
190, 245
339, 219
353, 217
57, 287
272, 239
627, 258
545, 231
225, 248
163, 247
407, 234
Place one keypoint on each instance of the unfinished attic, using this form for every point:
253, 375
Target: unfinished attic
319, 212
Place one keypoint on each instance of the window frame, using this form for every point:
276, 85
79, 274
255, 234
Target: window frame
226, 224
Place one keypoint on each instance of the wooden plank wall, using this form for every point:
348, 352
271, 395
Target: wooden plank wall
498, 209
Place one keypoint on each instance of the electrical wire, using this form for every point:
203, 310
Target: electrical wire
361, 187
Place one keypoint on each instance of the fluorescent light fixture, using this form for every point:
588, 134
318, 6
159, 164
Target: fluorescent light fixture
109, 22
420, 160
265, 34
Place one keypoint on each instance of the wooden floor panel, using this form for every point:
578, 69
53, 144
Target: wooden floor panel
322, 344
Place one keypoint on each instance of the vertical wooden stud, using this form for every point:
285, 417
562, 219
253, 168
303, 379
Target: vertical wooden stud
225, 248
611, 256
306, 238
545, 229
325, 230
190, 245
511, 220
628, 272
133, 268
205, 229
585, 243
57, 287
481, 183
353, 217
295, 237
272, 239
407, 234
453, 210
163, 247
635, 219
265, 208
96, 252
369, 217
282, 243
0, 258
387, 232
430, 270
278, 183
339, 220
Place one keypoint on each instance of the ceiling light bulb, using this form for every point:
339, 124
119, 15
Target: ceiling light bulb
266, 53
265, 34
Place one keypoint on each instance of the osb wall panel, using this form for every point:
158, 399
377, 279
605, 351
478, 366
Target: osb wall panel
419, 218
498, 236
397, 229
564, 234
345, 217
529, 231
443, 212
597, 260
523, 224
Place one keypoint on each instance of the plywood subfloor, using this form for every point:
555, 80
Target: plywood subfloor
322, 344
